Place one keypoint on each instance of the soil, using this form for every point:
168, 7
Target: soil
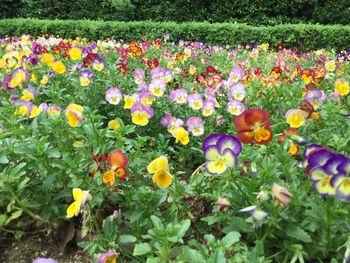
37, 245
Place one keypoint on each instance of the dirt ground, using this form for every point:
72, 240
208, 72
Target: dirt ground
38, 245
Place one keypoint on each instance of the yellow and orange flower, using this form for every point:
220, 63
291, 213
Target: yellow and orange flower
253, 125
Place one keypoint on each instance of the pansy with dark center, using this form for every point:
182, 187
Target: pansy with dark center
328, 171
221, 152
253, 125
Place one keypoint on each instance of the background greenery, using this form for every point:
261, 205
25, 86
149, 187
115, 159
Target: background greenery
255, 12
300, 36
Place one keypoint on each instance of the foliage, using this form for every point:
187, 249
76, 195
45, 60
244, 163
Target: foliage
250, 11
298, 36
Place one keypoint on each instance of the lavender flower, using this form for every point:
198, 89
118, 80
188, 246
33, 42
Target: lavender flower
113, 95
195, 125
179, 96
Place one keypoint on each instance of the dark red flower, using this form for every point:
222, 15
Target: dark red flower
253, 125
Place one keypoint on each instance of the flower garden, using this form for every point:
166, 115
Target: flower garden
156, 151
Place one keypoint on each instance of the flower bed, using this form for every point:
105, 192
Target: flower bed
177, 152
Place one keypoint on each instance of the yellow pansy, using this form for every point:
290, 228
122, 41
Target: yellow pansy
140, 118
80, 198
158, 164
162, 179
330, 66
181, 135
58, 67
27, 95
341, 86
48, 59
295, 118
129, 101
35, 111
114, 124
44, 80
160, 170
75, 53
74, 114
22, 111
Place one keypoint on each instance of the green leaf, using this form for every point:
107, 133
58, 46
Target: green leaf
3, 159
136, 215
238, 224
210, 239
196, 179
183, 229
157, 223
2, 219
19, 235
153, 260
219, 257
53, 153
23, 184
193, 256
141, 249
210, 220
230, 239
84, 231
298, 233
13, 216
127, 239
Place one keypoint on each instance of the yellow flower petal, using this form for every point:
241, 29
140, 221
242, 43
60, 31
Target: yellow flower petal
161, 163
162, 178
73, 209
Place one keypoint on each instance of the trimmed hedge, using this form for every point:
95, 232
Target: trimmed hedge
248, 11
303, 36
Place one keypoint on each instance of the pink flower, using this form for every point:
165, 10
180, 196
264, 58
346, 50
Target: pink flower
195, 125
282, 195
179, 96
237, 92
113, 95
195, 101
108, 257
235, 107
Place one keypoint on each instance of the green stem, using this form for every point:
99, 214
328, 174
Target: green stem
275, 255
277, 124
199, 167
25, 209
285, 258
328, 221
126, 254
93, 127
94, 219
243, 194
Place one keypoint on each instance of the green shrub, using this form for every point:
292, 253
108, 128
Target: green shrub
250, 11
305, 36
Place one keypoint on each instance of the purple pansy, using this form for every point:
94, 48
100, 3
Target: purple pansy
220, 152
328, 171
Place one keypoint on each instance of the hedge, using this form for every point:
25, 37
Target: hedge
303, 36
248, 11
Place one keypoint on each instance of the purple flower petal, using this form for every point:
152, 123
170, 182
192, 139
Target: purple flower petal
320, 158
229, 142
344, 168
44, 260
332, 165
211, 140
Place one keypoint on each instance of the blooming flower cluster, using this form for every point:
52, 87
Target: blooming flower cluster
114, 99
